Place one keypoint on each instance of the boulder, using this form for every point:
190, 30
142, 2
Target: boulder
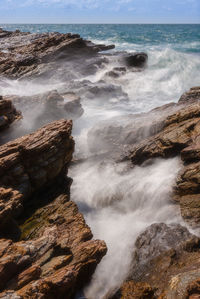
164, 263
137, 60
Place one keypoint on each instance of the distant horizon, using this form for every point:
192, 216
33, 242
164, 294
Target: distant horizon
32, 23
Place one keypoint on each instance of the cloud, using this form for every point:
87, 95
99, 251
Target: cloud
80, 4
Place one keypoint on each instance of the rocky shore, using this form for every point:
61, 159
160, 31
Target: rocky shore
46, 248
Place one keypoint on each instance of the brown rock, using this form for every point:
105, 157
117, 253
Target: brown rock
31, 162
192, 95
52, 254
179, 131
27, 52
57, 258
176, 135
8, 113
135, 290
165, 270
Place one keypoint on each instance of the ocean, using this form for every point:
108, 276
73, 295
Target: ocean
144, 192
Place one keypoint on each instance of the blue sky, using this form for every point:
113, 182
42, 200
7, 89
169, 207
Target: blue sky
99, 11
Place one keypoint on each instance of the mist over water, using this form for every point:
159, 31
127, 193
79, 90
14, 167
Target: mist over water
118, 205
119, 202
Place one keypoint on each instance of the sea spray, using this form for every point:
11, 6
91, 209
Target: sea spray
119, 203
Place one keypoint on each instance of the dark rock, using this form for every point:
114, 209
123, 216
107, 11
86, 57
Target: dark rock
137, 60
164, 263
8, 113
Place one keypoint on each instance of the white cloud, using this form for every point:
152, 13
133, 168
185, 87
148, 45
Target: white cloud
81, 4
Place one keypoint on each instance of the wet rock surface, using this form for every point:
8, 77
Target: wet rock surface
138, 60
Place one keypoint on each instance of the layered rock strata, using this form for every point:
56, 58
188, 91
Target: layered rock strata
47, 249
165, 264
23, 53
166, 257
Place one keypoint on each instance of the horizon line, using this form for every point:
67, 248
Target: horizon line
32, 23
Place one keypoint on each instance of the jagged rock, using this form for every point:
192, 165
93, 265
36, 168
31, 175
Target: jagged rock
190, 96
72, 105
58, 259
8, 113
31, 162
46, 248
166, 258
157, 239
24, 54
178, 132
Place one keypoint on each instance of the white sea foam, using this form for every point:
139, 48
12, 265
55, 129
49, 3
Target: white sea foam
118, 206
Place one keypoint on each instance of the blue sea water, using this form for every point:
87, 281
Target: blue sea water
183, 37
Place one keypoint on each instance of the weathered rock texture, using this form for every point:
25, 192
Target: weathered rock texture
30, 162
135, 290
23, 53
168, 257
165, 264
55, 256
178, 134
8, 113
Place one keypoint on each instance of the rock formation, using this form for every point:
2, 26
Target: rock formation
164, 264
23, 53
137, 60
166, 258
46, 247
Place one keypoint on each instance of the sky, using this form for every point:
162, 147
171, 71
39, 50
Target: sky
99, 11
